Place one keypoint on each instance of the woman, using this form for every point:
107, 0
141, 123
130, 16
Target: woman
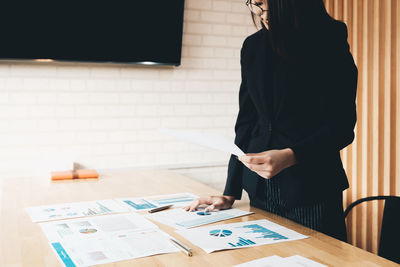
297, 111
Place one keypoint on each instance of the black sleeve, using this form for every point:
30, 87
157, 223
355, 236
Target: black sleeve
246, 118
337, 131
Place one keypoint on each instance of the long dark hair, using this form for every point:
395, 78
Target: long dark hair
288, 18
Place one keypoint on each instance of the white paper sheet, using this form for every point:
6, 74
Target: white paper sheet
271, 261
209, 140
276, 261
181, 219
305, 262
105, 239
151, 202
239, 235
75, 210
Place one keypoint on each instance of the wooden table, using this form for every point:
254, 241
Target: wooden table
22, 243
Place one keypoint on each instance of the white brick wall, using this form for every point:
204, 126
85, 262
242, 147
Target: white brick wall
107, 116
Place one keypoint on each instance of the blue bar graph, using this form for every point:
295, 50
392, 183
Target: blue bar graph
264, 232
167, 201
101, 209
142, 206
242, 242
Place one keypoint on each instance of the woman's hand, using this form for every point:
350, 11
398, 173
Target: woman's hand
269, 163
213, 202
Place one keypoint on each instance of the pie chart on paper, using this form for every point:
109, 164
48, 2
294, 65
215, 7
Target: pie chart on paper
220, 233
203, 213
88, 231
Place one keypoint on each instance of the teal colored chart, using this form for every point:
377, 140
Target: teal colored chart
140, 205
220, 233
242, 242
49, 210
172, 200
63, 255
263, 232
100, 209
202, 213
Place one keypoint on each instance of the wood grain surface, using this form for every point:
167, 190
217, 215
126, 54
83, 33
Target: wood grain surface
23, 243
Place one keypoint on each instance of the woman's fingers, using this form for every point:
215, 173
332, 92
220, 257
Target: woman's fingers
192, 205
187, 208
258, 167
255, 159
195, 204
213, 202
263, 170
218, 203
209, 208
265, 175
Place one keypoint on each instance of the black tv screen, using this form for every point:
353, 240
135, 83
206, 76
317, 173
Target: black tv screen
93, 31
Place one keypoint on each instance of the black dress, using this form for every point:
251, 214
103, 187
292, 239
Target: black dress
264, 111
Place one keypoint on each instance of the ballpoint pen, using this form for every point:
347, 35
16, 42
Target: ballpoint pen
160, 208
182, 247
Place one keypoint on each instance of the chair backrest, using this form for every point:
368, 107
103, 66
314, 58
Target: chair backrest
390, 232
389, 247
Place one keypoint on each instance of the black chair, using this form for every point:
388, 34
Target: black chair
389, 247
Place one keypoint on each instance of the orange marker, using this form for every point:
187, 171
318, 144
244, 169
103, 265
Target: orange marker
77, 174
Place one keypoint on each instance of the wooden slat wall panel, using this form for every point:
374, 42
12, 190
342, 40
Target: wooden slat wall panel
370, 162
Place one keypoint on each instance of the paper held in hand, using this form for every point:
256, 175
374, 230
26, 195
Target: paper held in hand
209, 140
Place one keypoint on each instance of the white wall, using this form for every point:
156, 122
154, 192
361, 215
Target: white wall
107, 116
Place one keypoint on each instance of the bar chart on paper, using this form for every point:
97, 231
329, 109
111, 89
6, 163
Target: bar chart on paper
173, 199
239, 235
263, 232
151, 202
97, 210
74, 210
140, 205
242, 242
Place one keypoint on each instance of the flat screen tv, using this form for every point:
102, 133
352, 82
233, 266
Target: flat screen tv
132, 31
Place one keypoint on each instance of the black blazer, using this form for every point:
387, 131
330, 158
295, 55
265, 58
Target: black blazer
312, 111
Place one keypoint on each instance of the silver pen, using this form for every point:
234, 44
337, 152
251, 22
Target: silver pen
160, 208
182, 247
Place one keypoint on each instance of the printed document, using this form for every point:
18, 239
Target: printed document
105, 239
151, 202
239, 235
276, 261
181, 219
75, 210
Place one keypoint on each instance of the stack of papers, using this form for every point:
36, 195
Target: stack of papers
276, 261
239, 235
